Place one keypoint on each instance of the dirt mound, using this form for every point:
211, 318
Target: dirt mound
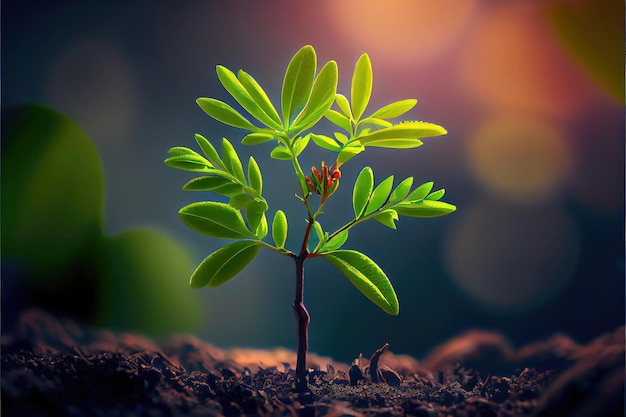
53, 367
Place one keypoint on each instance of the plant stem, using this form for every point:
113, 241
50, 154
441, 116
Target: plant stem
302, 315
302, 321
354, 222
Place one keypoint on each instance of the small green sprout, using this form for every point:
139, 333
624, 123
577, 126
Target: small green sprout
307, 97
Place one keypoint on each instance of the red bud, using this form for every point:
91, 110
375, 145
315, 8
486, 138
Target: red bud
316, 173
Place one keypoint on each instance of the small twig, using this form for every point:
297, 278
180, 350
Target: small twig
374, 362
482, 389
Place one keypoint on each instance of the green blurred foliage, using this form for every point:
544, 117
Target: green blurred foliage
52, 191
53, 243
593, 33
146, 285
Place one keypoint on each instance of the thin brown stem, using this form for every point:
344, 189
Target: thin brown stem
302, 321
302, 315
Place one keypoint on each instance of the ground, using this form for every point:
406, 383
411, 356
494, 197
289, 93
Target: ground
58, 367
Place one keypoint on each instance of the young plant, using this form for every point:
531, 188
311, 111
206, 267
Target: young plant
307, 97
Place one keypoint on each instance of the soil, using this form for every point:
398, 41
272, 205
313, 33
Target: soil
58, 367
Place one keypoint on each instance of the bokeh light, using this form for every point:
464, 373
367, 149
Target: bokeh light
91, 81
403, 30
511, 62
519, 158
512, 258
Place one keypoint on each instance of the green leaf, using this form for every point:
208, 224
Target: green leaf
319, 231
280, 153
298, 82
189, 162
349, 151
236, 89
388, 218
219, 185
183, 151
420, 192
209, 150
406, 130
215, 219
436, 195
222, 112
375, 122
232, 163
395, 109
224, 263
379, 195
362, 190
341, 138
335, 243
300, 144
424, 209
255, 179
367, 277
361, 86
254, 212
257, 138
339, 119
401, 191
240, 201
325, 142
262, 229
259, 95
343, 104
396, 143
321, 99
279, 229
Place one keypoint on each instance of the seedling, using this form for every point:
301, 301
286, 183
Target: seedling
307, 97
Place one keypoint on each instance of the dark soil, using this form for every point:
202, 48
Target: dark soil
53, 367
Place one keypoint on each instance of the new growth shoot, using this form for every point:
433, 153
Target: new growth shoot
307, 97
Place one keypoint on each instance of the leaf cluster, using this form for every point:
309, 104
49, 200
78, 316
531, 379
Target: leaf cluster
384, 203
307, 97
375, 129
224, 176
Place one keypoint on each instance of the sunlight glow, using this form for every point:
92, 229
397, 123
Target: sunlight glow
403, 30
510, 62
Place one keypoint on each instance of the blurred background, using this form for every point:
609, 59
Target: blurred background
531, 93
